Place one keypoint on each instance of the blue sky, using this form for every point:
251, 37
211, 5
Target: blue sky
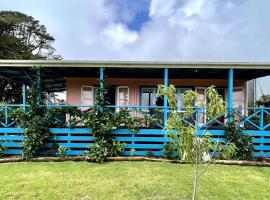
179, 30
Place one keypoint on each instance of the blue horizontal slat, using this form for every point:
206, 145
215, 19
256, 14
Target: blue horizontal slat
264, 154
140, 139
75, 152
70, 130
144, 146
11, 137
261, 140
257, 133
13, 152
211, 132
262, 148
140, 132
75, 145
12, 144
74, 138
11, 130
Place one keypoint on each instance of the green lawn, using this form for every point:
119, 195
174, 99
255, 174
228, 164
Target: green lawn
129, 180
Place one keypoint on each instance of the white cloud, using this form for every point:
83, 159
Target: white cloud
119, 35
209, 30
161, 8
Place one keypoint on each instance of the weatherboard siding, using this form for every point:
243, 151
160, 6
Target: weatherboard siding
73, 86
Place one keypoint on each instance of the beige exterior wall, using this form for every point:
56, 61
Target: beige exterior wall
73, 86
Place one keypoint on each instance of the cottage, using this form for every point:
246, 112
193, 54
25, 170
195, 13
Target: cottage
134, 85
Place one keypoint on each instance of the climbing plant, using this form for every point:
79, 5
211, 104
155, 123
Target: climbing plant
183, 126
102, 120
36, 121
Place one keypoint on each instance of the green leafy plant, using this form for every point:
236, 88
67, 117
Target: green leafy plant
36, 121
170, 148
3, 149
132, 152
101, 121
100, 150
62, 151
193, 148
243, 142
59, 116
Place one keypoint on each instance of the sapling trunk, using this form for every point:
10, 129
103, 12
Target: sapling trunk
196, 171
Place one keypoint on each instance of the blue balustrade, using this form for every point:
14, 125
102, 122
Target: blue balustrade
254, 120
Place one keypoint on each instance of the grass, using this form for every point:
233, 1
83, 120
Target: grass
129, 180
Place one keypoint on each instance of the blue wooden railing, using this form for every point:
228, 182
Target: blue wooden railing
147, 140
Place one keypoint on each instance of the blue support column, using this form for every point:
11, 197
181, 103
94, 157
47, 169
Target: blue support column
230, 95
101, 83
165, 116
24, 97
38, 83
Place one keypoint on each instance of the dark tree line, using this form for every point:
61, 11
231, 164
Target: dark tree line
22, 37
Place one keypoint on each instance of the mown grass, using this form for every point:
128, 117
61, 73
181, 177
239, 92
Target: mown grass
129, 180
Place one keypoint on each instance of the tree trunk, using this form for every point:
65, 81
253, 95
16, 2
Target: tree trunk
195, 182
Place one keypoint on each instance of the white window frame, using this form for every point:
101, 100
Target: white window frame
243, 91
93, 91
196, 90
117, 95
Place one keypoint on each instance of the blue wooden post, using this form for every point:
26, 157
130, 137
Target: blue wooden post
6, 116
38, 82
24, 97
101, 82
261, 118
230, 95
165, 114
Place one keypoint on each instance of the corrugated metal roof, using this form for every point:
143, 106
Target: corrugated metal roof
133, 64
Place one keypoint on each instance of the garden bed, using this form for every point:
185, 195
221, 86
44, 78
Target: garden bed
264, 162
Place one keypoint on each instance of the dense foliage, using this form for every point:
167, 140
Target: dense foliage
2, 149
102, 120
243, 142
21, 37
36, 121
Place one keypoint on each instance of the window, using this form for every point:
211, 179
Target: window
201, 95
87, 95
122, 96
149, 96
238, 97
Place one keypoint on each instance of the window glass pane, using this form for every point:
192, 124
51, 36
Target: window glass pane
123, 96
238, 94
145, 99
87, 93
149, 96
238, 97
201, 97
87, 96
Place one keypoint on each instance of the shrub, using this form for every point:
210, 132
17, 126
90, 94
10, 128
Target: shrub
101, 121
169, 150
132, 152
2, 149
243, 142
100, 150
62, 151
